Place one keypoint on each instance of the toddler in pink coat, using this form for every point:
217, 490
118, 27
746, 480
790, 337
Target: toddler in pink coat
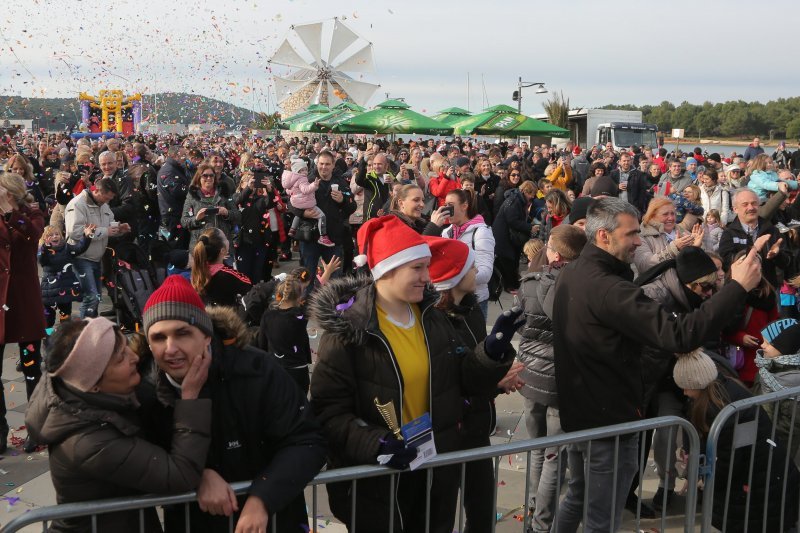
302, 198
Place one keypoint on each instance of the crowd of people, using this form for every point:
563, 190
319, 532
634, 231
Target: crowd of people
646, 283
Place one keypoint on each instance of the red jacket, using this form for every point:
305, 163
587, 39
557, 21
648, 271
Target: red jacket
441, 185
21, 309
759, 319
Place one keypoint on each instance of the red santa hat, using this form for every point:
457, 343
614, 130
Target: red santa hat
451, 259
387, 243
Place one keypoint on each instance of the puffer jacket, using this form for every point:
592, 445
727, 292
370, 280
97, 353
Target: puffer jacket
480, 238
655, 248
301, 191
96, 451
195, 201
357, 366
764, 181
59, 283
536, 346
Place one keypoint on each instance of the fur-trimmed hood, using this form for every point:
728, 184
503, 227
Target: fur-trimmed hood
229, 326
346, 307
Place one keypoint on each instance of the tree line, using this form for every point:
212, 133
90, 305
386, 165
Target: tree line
778, 119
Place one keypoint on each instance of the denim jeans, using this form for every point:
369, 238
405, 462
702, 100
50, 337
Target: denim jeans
594, 472
545, 477
312, 252
484, 306
88, 273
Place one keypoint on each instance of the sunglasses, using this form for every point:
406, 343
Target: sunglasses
208, 175
514, 174
706, 287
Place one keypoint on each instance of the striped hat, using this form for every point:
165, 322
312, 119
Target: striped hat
176, 299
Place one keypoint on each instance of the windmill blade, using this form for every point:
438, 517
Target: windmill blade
316, 96
311, 35
359, 91
285, 87
361, 61
341, 39
287, 55
333, 98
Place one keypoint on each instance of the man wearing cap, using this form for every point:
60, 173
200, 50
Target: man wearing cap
598, 359
261, 425
91, 207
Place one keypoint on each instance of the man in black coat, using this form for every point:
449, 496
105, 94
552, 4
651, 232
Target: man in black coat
336, 201
601, 321
172, 186
261, 424
743, 232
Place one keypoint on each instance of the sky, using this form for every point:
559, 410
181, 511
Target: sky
595, 53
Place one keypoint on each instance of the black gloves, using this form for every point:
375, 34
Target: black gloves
401, 454
503, 330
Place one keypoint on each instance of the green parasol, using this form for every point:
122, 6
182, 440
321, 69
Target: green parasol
504, 120
392, 116
451, 115
321, 123
312, 110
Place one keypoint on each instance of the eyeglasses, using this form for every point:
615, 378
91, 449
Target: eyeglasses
208, 175
514, 174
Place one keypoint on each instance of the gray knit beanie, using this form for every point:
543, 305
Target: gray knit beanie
694, 370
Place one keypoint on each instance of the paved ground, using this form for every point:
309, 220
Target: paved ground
25, 480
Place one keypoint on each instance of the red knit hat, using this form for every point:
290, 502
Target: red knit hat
176, 299
387, 243
451, 259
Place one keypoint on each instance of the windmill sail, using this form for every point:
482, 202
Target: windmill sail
287, 55
285, 87
359, 91
361, 61
311, 35
341, 39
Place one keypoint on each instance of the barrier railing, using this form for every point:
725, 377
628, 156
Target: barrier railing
742, 424
92, 509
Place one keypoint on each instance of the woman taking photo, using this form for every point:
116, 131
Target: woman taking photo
504, 188
407, 205
256, 242
216, 283
662, 238
21, 310
384, 342
467, 226
85, 411
209, 205
558, 207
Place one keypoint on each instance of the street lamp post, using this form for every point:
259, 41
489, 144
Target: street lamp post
524, 84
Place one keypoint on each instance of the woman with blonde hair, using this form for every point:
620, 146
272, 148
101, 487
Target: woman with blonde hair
662, 238
21, 310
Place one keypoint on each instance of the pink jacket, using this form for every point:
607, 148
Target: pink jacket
301, 191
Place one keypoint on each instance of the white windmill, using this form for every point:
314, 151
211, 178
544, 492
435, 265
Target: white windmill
318, 80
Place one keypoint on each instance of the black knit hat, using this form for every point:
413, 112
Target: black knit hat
692, 264
605, 186
579, 208
784, 335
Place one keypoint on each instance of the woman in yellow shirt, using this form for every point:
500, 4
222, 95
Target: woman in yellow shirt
385, 341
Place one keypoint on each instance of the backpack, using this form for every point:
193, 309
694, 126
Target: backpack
496, 283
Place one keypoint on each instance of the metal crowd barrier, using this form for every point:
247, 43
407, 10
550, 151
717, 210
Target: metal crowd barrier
745, 434
44, 515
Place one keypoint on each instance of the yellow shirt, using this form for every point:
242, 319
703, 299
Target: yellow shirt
408, 344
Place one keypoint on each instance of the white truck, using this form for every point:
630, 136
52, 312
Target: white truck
599, 126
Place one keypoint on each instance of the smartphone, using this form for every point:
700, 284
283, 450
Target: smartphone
85, 168
212, 210
448, 210
260, 175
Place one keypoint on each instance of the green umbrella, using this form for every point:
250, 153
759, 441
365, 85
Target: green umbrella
451, 115
504, 120
321, 123
313, 109
392, 116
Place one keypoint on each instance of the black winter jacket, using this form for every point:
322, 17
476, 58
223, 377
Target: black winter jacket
735, 239
262, 429
376, 191
172, 186
601, 320
59, 284
536, 346
356, 365
511, 215
338, 214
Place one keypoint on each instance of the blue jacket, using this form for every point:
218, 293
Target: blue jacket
762, 181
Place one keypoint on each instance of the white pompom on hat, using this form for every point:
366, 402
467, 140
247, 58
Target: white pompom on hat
387, 243
451, 259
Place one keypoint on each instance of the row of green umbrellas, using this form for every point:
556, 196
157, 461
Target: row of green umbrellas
395, 116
